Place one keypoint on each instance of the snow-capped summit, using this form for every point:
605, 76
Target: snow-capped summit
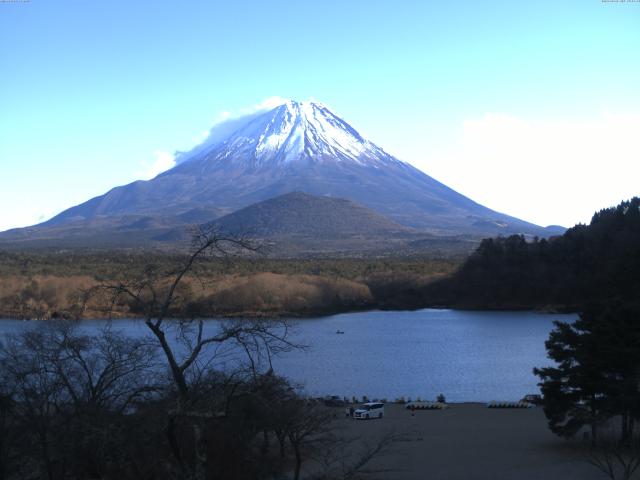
291, 132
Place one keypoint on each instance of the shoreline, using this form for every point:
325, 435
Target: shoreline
302, 315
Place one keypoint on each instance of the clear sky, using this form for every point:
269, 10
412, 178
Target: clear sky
531, 108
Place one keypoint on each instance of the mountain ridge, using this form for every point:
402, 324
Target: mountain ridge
297, 146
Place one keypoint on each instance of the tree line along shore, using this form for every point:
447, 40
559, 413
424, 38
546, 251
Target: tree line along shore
55, 284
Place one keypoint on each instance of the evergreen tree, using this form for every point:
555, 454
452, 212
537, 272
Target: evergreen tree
597, 376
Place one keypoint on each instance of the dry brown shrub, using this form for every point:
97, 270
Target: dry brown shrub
42, 296
272, 292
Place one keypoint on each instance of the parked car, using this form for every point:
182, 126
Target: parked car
369, 410
533, 399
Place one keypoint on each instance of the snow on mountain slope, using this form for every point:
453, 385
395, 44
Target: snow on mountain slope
292, 132
298, 146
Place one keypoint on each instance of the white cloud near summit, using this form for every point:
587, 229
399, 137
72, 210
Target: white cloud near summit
163, 161
268, 104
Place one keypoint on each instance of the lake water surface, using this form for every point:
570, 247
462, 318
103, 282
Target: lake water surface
466, 355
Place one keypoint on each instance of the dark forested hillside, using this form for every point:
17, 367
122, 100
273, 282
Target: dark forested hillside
599, 261
301, 214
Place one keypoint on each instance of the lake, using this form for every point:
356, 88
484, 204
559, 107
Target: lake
465, 355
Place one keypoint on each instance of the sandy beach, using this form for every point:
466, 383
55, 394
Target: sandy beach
471, 441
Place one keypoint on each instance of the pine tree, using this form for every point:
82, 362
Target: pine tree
597, 376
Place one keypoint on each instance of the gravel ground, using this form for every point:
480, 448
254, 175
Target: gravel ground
471, 441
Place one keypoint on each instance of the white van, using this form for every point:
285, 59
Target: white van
369, 410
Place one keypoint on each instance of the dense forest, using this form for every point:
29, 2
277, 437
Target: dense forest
589, 263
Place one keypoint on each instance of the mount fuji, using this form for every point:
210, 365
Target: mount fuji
294, 147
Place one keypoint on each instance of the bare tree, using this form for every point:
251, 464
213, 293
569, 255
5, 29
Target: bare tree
617, 460
157, 295
35, 393
9, 432
307, 428
67, 391
105, 371
314, 437
350, 458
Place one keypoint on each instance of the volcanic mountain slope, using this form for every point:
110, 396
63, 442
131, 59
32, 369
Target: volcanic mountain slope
297, 146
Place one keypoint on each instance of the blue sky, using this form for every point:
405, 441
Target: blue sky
532, 108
